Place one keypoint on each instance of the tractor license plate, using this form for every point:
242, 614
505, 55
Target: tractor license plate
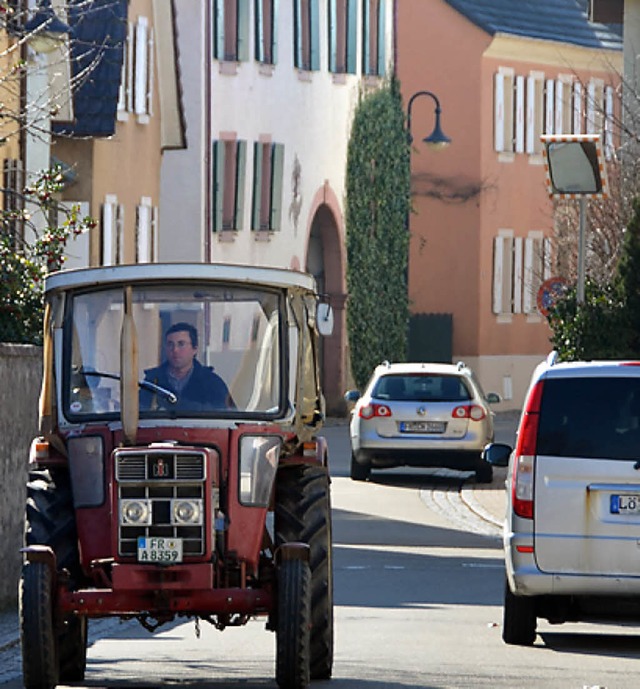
159, 550
422, 427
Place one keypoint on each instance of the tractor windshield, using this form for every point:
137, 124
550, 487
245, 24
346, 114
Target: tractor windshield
212, 351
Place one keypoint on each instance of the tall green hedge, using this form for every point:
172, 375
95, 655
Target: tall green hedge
378, 189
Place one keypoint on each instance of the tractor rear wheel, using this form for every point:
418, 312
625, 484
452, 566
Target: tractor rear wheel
294, 621
303, 513
50, 520
37, 627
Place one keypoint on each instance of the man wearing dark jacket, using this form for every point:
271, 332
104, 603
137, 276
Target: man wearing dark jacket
196, 386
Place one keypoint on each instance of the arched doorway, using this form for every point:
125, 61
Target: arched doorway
325, 262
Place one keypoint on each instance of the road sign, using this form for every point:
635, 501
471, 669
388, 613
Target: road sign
550, 292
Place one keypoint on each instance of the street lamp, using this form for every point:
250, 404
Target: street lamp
437, 138
45, 31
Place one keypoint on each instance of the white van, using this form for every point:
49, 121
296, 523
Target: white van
572, 529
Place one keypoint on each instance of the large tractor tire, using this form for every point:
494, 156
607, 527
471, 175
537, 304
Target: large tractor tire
37, 627
50, 520
294, 621
303, 513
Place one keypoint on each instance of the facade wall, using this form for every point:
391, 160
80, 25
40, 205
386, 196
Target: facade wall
20, 373
469, 194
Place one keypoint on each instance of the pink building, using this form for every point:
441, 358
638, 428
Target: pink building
482, 232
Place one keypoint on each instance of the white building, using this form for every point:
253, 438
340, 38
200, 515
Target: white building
269, 91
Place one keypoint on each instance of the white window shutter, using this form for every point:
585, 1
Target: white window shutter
150, 72
141, 66
530, 120
517, 275
143, 231
547, 246
499, 112
520, 114
608, 122
498, 268
559, 109
577, 108
131, 42
109, 230
550, 107
155, 239
120, 234
591, 108
527, 302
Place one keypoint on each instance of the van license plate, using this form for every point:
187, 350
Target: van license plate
422, 426
159, 550
625, 504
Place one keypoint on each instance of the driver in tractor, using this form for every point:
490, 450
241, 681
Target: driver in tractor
196, 387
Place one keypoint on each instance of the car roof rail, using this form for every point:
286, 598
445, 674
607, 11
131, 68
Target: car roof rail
386, 364
461, 365
553, 358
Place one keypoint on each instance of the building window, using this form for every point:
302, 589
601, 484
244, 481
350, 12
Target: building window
267, 186
13, 202
306, 44
503, 111
265, 31
520, 265
112, 224
231, 30
136, 80
146, 231
535, 113
373, 38
229, 161
342, 36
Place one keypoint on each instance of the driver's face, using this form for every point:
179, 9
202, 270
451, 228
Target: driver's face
180, 351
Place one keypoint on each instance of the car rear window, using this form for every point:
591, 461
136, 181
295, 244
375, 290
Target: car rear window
590, 417
421, 388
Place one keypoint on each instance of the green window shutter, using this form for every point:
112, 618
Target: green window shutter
314, 33
352, 36
274, 31
382, 53
258, 31
241, 164
277, 166
366, 43
332, 9
218, 30
297, 39
257, 185
218, 184
243, 30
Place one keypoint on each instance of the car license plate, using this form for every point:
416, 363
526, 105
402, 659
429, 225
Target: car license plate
625, 504
422, 426
159, 550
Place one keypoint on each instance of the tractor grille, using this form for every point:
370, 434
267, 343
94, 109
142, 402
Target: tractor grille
160, 477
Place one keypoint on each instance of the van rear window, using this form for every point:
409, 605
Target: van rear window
590, 417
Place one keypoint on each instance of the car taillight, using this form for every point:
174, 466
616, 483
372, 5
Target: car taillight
469, 411
371, 410
525, 455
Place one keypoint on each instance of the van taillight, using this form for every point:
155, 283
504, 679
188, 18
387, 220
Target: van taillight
525, 455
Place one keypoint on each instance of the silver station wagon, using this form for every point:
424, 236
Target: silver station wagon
572, 529
421, 415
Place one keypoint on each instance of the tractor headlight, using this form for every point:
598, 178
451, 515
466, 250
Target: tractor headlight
186, 512
135, 512
259, 456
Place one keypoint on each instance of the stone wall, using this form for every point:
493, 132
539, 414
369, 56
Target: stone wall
20, 375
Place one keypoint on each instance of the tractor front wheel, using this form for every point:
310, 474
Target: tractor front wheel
37, 627
303, 513
294, 622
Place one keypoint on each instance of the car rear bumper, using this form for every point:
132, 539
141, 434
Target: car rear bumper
447, 457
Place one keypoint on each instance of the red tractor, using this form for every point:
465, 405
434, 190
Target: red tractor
178, 471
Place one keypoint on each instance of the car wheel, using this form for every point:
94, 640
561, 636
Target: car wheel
484, 473
359, 472
519, 620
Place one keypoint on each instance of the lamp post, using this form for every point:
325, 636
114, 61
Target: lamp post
437, 138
